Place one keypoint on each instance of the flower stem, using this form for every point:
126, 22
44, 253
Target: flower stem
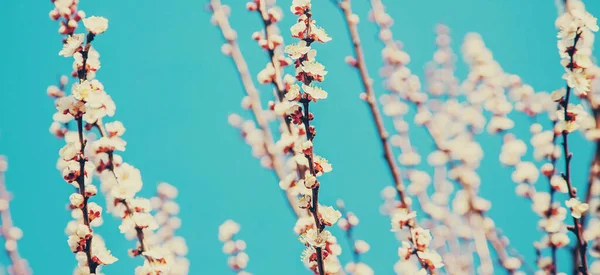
81, 183
578, 230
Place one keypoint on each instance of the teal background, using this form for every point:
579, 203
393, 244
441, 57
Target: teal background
162, 65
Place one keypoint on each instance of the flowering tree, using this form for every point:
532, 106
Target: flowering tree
453, 234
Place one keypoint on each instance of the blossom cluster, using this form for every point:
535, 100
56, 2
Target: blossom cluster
325, 241
450, 146
451, 122
120, 183
576, 27
347, 223
522, 98
416, 241
67, 14
525, 175
235, 249
167, 217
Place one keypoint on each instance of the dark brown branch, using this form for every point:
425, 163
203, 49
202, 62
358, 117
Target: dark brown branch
578, 230
314, 209
81, 187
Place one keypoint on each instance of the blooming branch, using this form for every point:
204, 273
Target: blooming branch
576, 29
166, 214
347, 223
308, 70
120, 182
270, 42
86, 102
451, 128
238, 259
292, 139
265, 144
11, 233
369, 96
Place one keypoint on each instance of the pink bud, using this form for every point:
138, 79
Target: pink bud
54, 15
256, 36
547, 169
351, 61
64, 80
263, 43
509, 137
235, 120
343, 224
246, 102
251, 6
274, 15
226, 49
276, 39
53, 91
62, 29
79, 15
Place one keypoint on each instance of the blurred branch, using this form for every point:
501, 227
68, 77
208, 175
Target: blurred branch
10, 233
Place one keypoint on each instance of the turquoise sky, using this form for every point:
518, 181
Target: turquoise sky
162, 65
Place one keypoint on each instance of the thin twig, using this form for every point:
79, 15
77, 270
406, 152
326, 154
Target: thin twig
349, 236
